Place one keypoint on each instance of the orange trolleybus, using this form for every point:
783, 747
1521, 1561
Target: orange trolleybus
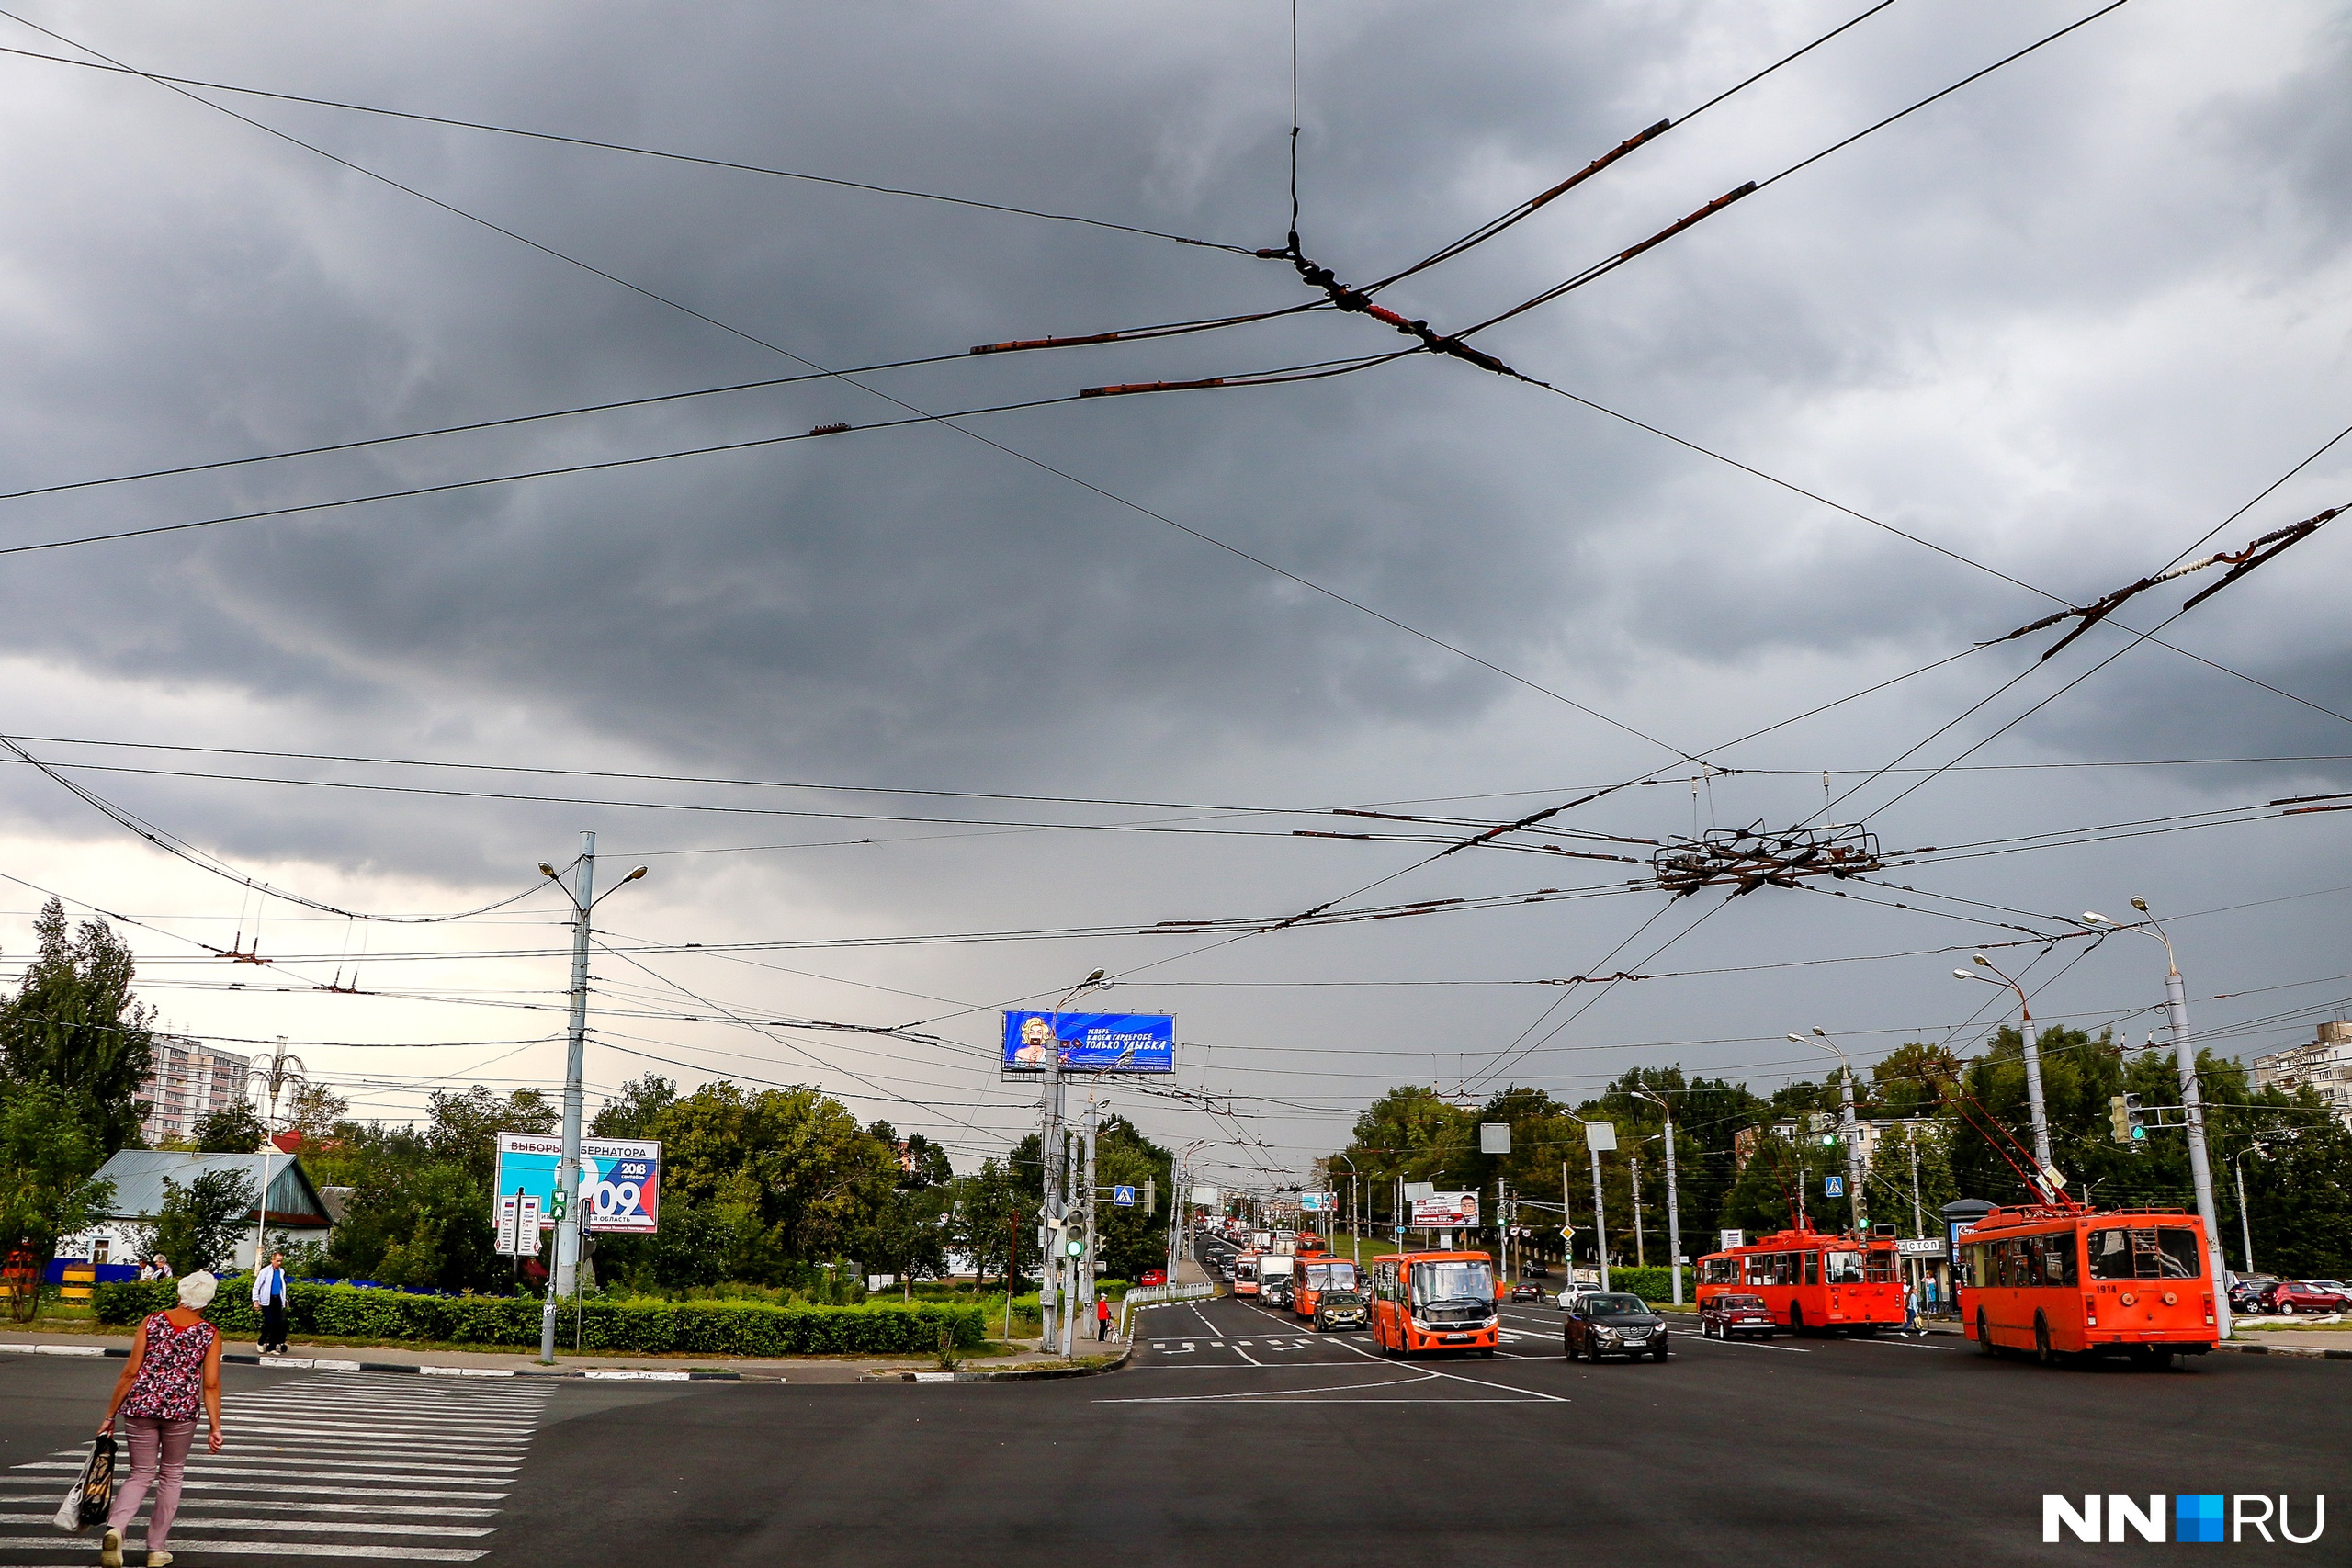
2065, 1279
1245, 1272
1811, 1280
1317, 1274
1434, 1301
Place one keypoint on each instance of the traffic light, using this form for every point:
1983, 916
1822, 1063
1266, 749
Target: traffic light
555, 1212
2123, 1116
1075, 1246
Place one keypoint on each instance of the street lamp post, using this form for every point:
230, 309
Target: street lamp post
2245, 1227
1355, 1229
567, 1172
2033, 1066
1820, 1040
1050, 1295
1673, 1203
2192, 1104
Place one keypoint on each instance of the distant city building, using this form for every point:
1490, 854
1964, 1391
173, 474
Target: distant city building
185, 1080
2323, 1067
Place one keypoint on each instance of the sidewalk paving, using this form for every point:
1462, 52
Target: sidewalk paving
522, 1363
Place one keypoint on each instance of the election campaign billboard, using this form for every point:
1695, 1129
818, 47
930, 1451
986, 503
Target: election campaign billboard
1092, 1042
1446, 1211
620, 1179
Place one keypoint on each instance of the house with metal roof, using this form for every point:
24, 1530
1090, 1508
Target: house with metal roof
294, 1208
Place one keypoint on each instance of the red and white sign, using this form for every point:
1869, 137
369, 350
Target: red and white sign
1446, 1212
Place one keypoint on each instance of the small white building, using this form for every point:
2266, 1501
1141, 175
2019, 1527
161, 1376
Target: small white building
294, 1206
2323, 1067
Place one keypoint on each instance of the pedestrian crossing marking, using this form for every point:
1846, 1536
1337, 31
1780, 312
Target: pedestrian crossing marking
404, 1463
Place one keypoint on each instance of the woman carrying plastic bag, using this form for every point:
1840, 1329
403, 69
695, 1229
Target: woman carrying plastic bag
174, 1368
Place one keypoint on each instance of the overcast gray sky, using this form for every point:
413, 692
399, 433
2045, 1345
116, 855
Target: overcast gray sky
2059, 324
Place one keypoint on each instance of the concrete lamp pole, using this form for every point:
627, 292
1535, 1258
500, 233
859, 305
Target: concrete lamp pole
1057, 1218
1820, 1041
1673, 1203
2032, 1071
564, 1280
2192, 1104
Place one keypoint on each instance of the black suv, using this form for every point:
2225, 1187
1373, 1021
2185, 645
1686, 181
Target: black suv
1610, 1324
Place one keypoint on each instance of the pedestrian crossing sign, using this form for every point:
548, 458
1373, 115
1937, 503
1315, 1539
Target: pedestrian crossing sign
1835, 1186
1123, 1196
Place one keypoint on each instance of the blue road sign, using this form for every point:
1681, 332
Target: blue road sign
1123, 1196
1834, 1185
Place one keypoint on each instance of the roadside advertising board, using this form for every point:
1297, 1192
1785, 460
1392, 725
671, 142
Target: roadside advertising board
620, 1179
1207, 1197
519, 1225
1318, 1204
1092, 1042
1446, 1211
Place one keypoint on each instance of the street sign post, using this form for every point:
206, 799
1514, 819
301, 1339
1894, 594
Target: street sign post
1834, 1186
519, 1225
1123, 1196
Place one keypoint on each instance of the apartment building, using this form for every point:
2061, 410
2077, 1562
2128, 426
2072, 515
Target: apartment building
2323, 1067
186, 1080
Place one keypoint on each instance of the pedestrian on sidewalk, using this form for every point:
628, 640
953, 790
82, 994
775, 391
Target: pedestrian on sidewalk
160, 1269
175, 1368
1102, 1318
1911, 1324
270, 1295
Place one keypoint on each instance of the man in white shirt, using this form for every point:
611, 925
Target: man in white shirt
270, 1295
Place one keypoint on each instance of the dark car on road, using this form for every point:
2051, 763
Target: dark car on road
1728, 1316
2289, 1297
1276, 1292
1338, 1309
1606, 1323
1536, 1271
2248, 1291
1523, 1292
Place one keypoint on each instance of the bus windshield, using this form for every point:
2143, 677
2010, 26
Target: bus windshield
2166, 1252
1330, 1276
1435, 1282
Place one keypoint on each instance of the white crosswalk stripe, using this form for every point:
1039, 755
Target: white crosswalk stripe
337, 1465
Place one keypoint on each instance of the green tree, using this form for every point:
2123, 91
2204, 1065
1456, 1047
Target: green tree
420, 1208
198, 1224
229, 1130
1890, 1194
313, 1110
996, 1221
74, 1024
47, 1191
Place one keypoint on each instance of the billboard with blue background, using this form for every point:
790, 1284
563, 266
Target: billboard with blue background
620, 1179
1092, 1042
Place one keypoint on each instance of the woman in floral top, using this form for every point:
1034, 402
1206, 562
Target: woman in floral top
175, 1368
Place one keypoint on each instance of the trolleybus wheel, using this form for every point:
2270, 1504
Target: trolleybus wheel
2041, 1348
1985, 1335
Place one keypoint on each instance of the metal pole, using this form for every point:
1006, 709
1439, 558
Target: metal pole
1600, 1224
2033, 1085
2200, 1168
1911, 1136
1568, 1244
1854, 1149
1673, 1212
2245, 1229
1641, 1256
1049, 1149
566, 1170
1086, 1272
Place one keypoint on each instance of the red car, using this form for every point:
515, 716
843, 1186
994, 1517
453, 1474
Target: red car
1726, 1317
2289, 1297
1155, 1276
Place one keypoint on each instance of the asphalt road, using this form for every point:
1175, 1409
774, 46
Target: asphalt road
1234, 1433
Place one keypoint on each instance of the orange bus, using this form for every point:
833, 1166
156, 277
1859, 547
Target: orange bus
1245, 1272
1435, 1301
1317, 1274
2064, 1279
1810, 1279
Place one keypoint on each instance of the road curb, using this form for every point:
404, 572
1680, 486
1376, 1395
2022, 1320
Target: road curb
332, 1364
2303, 1352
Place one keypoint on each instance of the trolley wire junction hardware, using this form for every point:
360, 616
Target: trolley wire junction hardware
1752, 857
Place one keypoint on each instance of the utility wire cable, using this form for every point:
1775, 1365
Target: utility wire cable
113, 67
949, 421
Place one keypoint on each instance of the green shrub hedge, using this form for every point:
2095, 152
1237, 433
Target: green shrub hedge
628, 1327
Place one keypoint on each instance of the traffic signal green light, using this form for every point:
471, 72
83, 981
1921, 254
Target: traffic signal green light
556, 1211
1076, 1246
2123, 1119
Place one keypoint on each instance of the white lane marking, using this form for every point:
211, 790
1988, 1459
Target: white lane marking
1507, 1388
276, 1487
1269, 1393
280, 1548
299, 1527
1744, 1344
1906, 1345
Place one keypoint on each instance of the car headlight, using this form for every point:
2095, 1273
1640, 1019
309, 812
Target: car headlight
1417, 1322
1598, 1333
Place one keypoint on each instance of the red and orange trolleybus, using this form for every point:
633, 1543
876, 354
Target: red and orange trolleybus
2067, 1279
1435, 1301
1245, 1272
1812, 1281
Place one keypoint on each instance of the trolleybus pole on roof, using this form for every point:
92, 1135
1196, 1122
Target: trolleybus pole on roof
2192, 1104
2033, 1063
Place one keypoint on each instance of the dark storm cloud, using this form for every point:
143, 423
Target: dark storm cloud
2060, 323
